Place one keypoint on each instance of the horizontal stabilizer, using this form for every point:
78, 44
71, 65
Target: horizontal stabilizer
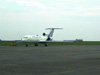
54, 28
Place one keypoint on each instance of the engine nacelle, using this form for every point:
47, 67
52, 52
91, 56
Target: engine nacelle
44, 34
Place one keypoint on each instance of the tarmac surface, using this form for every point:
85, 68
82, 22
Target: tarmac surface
51, 60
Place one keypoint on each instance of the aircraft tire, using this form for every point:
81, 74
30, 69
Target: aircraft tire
46, 44
36, 44
26, 45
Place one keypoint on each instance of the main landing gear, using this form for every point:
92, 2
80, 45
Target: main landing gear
45, 44
26, 45
36, 44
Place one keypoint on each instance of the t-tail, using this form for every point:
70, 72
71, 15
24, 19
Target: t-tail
50, 35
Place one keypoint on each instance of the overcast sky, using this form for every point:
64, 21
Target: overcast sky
80, 19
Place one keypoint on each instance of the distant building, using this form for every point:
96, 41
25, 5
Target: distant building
79, 40
68, 40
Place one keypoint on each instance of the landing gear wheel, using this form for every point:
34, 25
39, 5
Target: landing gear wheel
36, 44
46, 44
26, 45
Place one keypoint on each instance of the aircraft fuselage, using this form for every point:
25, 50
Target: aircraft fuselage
34, 38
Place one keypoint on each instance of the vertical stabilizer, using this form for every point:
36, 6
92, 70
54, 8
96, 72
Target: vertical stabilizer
50, 35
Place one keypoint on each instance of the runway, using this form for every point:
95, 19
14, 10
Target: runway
51, 60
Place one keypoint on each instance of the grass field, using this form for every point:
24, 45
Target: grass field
7, 43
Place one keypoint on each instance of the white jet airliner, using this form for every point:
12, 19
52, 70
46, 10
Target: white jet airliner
46, 38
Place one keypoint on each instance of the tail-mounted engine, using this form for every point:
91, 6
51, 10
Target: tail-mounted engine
44, 34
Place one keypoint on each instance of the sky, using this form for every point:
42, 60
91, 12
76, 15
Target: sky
80, 19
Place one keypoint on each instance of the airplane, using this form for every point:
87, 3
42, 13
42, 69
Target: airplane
45, 38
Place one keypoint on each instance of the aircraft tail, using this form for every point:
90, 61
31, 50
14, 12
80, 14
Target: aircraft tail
50, 35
